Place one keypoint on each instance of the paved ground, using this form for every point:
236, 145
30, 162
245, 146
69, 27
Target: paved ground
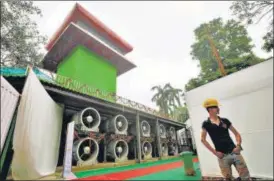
171, 169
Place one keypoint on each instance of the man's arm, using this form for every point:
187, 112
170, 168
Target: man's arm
203, 140
237, 135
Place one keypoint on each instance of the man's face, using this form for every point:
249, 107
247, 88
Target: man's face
214, 110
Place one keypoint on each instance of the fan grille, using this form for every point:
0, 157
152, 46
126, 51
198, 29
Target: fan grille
173, 149
121, 123
90, 118
87, 149
162, 130
172, 131
121, 149
145, 127
147, 148
164, 148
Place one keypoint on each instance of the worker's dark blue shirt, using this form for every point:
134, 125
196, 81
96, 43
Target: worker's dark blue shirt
220, 135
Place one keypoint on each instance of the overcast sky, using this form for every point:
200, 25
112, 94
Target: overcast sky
160, 32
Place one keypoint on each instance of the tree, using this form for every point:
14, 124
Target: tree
268, 41
193, 83
161, 99
173, 95
20, 39
234, 47
181, 114
250, 11
167, 98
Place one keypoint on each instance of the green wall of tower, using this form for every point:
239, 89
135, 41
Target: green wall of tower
89, 68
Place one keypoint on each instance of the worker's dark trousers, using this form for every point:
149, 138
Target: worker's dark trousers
238, 161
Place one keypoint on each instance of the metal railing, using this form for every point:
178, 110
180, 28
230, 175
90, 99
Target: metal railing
79, 87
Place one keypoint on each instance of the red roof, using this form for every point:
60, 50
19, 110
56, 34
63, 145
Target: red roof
79, 13
74, 36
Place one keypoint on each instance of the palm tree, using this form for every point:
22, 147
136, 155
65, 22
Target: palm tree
173, 96
160, 99
167, 98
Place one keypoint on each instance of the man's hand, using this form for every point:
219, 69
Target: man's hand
219, 154
203, 139
237, 135
237, 150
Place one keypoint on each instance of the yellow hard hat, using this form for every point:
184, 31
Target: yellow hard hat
211, 103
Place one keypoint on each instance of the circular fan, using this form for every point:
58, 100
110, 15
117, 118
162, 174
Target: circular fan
86, 149
121, 123
145, 128
90, 118
172, 131
164, 149
147, 148
162, 130
173, 149
121, 149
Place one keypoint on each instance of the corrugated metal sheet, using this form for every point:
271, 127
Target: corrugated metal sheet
9, 99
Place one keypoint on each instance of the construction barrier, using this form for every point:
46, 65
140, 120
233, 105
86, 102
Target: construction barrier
246, 99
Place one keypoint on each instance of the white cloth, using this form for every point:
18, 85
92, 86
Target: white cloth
9, 99
37, 132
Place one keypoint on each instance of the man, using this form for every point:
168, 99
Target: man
227, 152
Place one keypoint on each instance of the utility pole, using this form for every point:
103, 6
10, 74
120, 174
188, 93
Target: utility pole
216, 54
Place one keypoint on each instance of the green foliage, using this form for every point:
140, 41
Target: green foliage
166, 98
20, 39
181, 114
268, 41
194, 82
234, 47
250, 11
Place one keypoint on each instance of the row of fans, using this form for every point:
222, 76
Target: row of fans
89, 120
86, 150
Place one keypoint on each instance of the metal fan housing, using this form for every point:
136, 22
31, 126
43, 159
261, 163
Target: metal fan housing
173, 149
85, 151
147, 150
87, 120
164, 148
118, 150
117, 125
162, 131
145, 129
172, 133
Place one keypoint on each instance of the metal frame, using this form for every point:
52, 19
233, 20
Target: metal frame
78, 100
75, 101
73, 86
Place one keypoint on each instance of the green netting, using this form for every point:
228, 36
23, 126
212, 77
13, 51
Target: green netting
42, 76
21, 72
